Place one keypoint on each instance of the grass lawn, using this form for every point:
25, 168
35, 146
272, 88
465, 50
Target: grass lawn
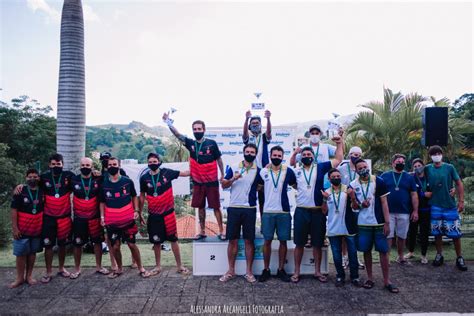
167, 259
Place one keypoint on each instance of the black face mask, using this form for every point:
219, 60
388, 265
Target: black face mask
363, 173
276, 161
104, 164
113, 170
154, 166
32, 182
249, 158
354, 159
57, 170
307, 161
198, 135
399, 166
336, 182
86, 171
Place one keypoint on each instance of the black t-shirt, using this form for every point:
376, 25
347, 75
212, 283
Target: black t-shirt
29, 205
203, 156
57, 191
117, 194
159, 190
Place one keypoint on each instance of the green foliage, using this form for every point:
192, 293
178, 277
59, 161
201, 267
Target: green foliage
10, 172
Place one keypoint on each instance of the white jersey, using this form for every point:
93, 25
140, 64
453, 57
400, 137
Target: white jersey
243, 190
322, 153
337, 203
372, 215
275, 188
347, 174
306, 182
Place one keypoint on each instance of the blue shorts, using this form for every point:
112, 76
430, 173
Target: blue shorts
279, 222
309, 222
445, 221
26, 246
241, 217
369, 236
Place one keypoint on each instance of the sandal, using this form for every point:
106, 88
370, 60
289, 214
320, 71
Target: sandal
392, 288
144, 274
200, 236
226, 277
46, 279
114, 274
75, 275
102, 271
64, 274
295, 278
221, 237
183, 271
368, 284
250, 278
155, 271
320, 278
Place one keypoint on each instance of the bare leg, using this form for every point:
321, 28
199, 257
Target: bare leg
267, 252
202, 220
136, 255
439, 244
385, 267
77, 258
368, 264
318, 256
113, 263
117, 255
157, 251
30, 263
282, 251
62, 258
249, 254
457, 246
400, 247
218, 215
20, 272
298, 258
48, 259
231, 255
177, 254
98, 256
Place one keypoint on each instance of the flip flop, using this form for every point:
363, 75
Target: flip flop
250, 278
144, 274
103, 271
199, 237
64, 274
46, 279
114, 274
392, 288
183, 271
155, 271
221, 237
368, 284
74, 275
226, 277
295, 278
320, 278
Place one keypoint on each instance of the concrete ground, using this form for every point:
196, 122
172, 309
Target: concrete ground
422, 289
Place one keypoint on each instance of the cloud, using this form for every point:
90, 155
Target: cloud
40, 5
89, 14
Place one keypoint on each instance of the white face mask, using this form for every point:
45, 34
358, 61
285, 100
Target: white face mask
315, 139
437, 158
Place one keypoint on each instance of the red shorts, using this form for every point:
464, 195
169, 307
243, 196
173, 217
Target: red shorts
201, 192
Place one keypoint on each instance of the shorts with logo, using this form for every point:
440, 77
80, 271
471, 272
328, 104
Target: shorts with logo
279, 222
26, 246
241, 218
85, 230
309, 222
162, 227
369, 236
56, 231
445, 221
122, 234
399, 224
201, 192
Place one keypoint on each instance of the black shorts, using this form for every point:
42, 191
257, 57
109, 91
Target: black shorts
86, 230
162, 228
309, 221
241, 217
124, 234
56, 231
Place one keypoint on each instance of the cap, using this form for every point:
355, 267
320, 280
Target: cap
355, 150
315, 126
105, 155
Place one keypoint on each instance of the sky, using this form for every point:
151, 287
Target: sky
207, 59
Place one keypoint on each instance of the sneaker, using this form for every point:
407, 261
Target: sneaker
345, 262
283, 276
403, 262
460, 264
361, 265
424, 260
339, 282
409, 255
265, 275
439, 259
356, 283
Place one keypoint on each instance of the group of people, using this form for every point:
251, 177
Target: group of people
336, 199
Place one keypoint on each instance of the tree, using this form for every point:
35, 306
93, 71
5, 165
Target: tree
10, 173
71, 92
176, 152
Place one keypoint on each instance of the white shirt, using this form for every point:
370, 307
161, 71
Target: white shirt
347, 174
366, 215
240, 190
323, 154
336, 225
273, 195
259, 142
305, 194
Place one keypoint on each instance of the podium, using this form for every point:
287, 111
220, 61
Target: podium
210, 258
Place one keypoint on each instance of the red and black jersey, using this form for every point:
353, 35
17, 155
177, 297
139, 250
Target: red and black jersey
57, 193
202, 162
159, 190
29, 211
117, 197
85, 202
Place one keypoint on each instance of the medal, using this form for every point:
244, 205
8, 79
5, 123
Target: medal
275, 183
155, 194
35, 201
338, 201
87, 198
56, 195
155, 183
397, 189
88, 190
275, 190
308, 187
57, 185
198, 149
308, 179
397, 183
33, 211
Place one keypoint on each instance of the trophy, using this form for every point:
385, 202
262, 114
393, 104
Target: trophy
169, 121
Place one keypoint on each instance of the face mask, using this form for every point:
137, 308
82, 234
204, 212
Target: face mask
86, 171
154, 166
276, 161
315, 139
399, 166
363, 173
198, 135
437, 158
113, 170
255, 129
57, 170
249, 158
307, 161
354, 159
336, 182
32, 182
420, 170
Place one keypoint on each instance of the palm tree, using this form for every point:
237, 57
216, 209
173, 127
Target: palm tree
175, 151
71, 91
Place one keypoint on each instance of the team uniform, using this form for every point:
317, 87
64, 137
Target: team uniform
444, 213
342, 224
400, 186
322, 153
276, 210
309, 218
242, 211
86, 224
29, 205
161, 222
57, 222
370, 220
424, 217
119, 211
347, 174
203, 168
261, 141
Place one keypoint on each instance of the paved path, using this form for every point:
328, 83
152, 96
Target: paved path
423, 289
